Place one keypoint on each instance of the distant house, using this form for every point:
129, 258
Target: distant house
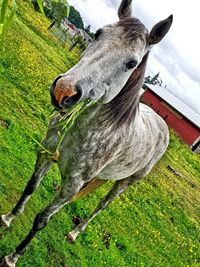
179, 116
70, 27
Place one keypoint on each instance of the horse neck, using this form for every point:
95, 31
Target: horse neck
123, 108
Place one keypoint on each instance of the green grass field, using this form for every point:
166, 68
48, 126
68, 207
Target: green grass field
155, 223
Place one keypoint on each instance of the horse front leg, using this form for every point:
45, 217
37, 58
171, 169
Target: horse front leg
42, 166
117, 189
68, 190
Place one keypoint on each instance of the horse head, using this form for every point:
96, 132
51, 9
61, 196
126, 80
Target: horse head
109, 61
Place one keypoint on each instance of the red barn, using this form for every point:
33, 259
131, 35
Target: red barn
179, 116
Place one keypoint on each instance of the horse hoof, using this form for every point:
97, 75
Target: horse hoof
5, 220
4, 223
7, 262
70, 238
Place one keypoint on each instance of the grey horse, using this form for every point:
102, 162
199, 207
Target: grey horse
116, 139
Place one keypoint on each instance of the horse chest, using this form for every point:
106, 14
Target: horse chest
90, 150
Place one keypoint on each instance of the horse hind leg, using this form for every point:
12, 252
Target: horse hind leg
117, 189
42, 166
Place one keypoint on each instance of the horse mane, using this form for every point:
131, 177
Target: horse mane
122, 109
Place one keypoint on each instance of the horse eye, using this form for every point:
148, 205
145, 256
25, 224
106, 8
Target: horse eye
97, 34
131, 64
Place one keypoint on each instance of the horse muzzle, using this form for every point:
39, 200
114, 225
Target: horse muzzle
64, 92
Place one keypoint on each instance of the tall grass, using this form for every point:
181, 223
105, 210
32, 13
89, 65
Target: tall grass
40, 4
5, 19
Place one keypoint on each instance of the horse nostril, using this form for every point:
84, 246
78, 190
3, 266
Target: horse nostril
68, 101
79, 93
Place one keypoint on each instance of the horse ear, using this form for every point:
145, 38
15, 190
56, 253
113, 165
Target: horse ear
160, 30
125, 9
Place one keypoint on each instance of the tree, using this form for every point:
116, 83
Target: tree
147, 79
41, 5
88, 30
75, 18
154, 80
56, 11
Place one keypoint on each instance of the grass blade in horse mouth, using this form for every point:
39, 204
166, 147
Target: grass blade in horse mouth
67, 121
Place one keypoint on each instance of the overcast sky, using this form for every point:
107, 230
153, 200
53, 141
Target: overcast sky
177, 57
